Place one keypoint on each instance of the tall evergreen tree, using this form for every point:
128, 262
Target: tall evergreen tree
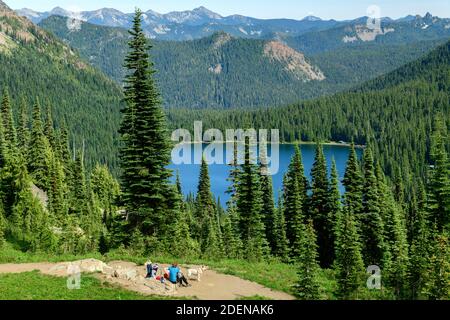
396, 260
49, 129
205, 211
205, 199
439, 186
178, 184
232, 239
23, 131
349, 264
57, 201
307, 287
320, 206
353, 183
438, 285
3, 147
281, 244
249, 208
370, 218
79, 204
268, 207
145, 151
294, 203
335, 204
40, 152
7, 118
420, 249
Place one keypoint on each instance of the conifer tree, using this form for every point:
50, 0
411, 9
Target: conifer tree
63, 148
2, 225
268, 207
106, 190
335, 204
49, 129
320, 206
439, 186
29, 222
307, 287
232, 242
294, 203
79, 205
178, 184
39, 153
205, 205
395, 264
249, 206
211, 248
205, 198
438, 285
281, 245
420, 248
184, 245
353, 183
57, 191
7, 118
3, 147
23, 131
232, 234
370, 218
349, 264
145, 150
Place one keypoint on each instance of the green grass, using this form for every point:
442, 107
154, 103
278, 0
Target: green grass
36, 286
253, 298
271, 273
10, 254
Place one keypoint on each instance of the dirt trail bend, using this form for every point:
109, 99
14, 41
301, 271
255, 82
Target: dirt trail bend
213, 285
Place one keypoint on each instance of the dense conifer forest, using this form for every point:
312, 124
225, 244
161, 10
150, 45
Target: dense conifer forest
35, 65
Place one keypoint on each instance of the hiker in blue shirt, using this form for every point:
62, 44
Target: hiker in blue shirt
176, 277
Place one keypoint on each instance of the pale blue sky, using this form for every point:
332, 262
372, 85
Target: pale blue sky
295, 9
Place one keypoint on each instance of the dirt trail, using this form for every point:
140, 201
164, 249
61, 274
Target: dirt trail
213, 285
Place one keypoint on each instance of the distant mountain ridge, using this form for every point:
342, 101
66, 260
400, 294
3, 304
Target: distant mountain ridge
188, 25
202, 22
223, 71
196, 23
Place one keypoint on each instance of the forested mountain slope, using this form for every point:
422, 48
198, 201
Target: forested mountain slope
217, 71
34, 64
395, 119
433, 68
222, 71
357, 32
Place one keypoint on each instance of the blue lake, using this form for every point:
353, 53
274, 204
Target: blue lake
219, 173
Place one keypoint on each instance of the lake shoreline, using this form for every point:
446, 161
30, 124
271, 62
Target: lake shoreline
331, 143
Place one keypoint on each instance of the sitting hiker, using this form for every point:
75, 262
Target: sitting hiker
173, 273
149, 267
154, 270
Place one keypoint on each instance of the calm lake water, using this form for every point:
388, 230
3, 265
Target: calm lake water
219, 173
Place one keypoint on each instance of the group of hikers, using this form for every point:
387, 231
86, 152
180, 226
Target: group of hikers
173, 274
